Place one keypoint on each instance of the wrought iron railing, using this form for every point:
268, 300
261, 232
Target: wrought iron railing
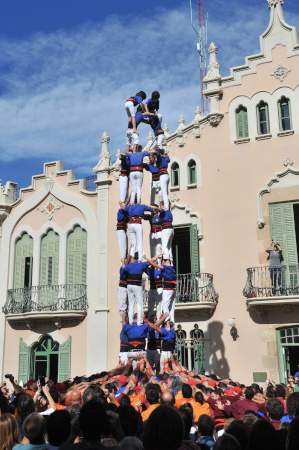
90, 183
63, 297
191, 287
272, 281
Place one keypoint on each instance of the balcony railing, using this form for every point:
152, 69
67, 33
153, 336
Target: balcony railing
63, 297
272, 281
191, 287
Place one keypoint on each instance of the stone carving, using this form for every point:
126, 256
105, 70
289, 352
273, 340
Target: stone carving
166, 130
273, 3
49, 183
214, 119
280, 72
117, 166
213, 72
175, 198
49, 208
288, 162
104, 163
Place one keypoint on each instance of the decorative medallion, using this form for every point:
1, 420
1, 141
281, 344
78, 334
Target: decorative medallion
50, 207
280, 72
49, 183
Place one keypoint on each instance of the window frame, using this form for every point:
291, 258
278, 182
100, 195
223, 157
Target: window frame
175, 170
259, 122
241, 133
280, 117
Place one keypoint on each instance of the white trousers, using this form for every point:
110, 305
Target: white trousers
132, 138
136, 179
155, 243
165, 356
122, 294
155, 185
135, 294
155, 300
160, 117
158, 142
122, 242
166, 239
123, 187
123, 357
168, 301
129, 107
164, 181
136, 235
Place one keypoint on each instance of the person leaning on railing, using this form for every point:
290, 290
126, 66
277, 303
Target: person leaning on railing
275, 257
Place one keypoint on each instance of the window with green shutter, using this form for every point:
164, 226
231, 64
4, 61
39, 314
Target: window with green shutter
185, 249
284, 114
242, 122
283, 230
263, 124
23, 262
49, 268
24, 362
175, 175
76, 256
192, 172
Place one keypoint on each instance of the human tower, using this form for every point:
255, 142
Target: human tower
132, 211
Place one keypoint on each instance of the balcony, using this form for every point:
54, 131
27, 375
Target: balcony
195, 294
272, 288
62, 304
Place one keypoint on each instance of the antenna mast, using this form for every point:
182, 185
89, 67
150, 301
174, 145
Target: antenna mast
202, 35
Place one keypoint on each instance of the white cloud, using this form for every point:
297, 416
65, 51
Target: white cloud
60, 91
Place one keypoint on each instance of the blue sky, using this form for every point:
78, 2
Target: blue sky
67, 67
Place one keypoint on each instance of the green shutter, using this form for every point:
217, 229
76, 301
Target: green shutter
24, 362
24, 249
194, 249
283, 230
76, 257
242, 123
64, 360
49, 267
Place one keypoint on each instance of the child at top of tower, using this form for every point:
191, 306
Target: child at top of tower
153, 104
130, 107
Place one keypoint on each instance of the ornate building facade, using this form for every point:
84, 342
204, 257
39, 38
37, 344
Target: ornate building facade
234, 187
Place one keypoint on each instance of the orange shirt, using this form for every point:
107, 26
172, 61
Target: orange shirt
30, 392
183, 400
135, 399
199, 410
145, 415
59, 406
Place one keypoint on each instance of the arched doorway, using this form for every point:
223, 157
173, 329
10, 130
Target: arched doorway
45, 358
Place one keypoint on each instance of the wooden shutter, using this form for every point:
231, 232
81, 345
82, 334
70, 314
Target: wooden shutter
242, 123
194, 249
24, 249
64, 360
76, 256
283, 230
24, 361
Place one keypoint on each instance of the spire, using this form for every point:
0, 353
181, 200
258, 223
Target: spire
104, 163
213, 72
274, 3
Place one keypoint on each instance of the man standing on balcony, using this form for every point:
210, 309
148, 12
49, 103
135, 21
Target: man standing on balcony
275, 257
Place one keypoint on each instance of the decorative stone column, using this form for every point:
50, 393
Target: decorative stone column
213, 91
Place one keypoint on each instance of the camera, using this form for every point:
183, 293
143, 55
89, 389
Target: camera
41, 380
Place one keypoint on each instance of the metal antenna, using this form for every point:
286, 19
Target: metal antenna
202, 35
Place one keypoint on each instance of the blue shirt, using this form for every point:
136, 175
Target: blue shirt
155, 123
139, 118
152, 273
153, 220
123, 274
136, 99
168, 272
125, 163
136, 331
162, 161
137, 210
136, 268
122, 216
136, 159
153, 105
124, 337
151, 168
166, 216
168, 336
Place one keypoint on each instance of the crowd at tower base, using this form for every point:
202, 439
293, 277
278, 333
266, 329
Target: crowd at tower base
170, 409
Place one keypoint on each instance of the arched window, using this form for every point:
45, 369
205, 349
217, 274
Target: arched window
242, 122
284, 114
175, 175
23, 262
49, 259
191, 172
262, 111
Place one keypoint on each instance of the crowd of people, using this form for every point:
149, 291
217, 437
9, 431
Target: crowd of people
169, 409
